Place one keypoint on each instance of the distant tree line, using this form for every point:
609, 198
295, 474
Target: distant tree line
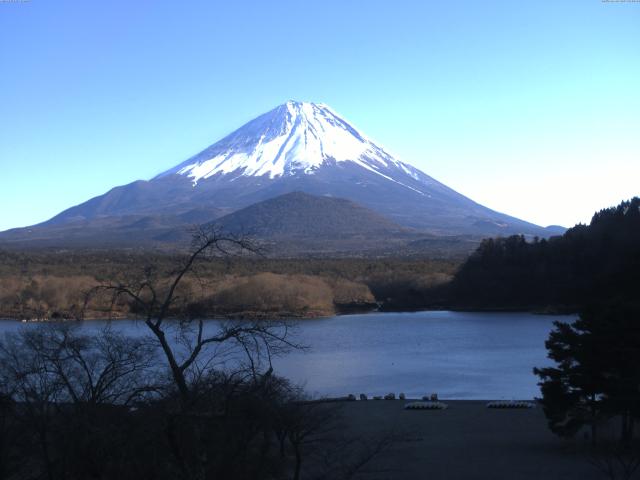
50, 284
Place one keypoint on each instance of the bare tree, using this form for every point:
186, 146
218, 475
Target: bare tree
249, 346
30, 384
257, 340
60, 379
105, 368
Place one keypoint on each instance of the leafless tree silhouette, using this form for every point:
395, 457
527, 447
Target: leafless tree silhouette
258, 341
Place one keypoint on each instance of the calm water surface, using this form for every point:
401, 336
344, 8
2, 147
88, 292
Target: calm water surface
459, 355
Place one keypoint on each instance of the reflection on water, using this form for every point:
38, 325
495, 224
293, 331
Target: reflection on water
459, 355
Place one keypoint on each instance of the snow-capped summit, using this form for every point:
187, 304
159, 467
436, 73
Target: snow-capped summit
296, 147
293, 138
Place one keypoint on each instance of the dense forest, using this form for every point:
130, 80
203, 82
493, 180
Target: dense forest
595, 263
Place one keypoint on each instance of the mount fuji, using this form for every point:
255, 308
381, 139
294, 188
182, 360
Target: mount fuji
296, 147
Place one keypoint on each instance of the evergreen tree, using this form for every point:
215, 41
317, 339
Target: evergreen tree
598, 262
597, 375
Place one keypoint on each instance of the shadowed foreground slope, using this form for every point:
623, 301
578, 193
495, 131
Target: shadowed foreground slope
467, 441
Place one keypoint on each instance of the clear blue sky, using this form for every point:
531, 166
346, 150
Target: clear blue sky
529, 107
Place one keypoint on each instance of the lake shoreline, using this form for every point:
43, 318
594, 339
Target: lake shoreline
285, 316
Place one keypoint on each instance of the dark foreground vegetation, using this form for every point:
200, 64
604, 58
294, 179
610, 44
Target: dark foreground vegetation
593, 390
594, 387
597, 376
105, 406
184, 401
592, 263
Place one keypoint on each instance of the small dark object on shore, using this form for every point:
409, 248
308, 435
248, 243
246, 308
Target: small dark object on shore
510, 404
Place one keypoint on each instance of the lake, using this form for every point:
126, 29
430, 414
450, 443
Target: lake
458, 355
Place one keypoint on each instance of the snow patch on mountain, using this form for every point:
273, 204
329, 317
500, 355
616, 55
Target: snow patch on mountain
294, 138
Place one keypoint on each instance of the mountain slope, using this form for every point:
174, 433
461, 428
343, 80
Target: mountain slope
299, 215
298, 223
296, 147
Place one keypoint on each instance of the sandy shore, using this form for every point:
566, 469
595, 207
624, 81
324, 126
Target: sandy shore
466, 441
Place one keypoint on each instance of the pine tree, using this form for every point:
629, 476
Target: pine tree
597, 375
